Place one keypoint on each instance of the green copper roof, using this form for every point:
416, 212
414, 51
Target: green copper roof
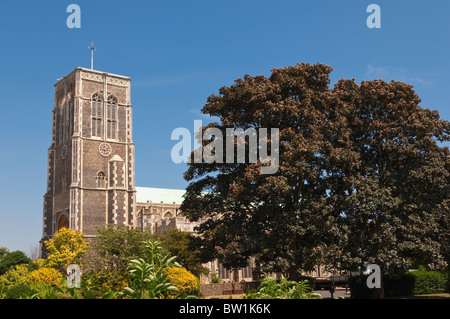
158, 195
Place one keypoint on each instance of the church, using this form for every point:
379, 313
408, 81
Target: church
91, 166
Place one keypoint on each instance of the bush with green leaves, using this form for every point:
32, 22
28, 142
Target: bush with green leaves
311, 281
9, 260
270, 288
429, 282
184, 246
408, 284
102, 281
186, 283
215, 279
148, 278
358, 287
20, 291
115, 246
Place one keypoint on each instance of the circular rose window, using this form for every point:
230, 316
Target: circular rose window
104, 149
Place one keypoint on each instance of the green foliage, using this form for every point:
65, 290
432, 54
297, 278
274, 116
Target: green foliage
19, 291
362, 177
148, 279
41, 291
115, 246
14, 276
3, 252
407, 284
215, 279
310, 280
429, 282
271, 288
182, 245
358, 287
11, 259
67, 247
103, 281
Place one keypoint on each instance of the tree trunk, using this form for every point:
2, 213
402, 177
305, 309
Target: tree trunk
378, 293
293, 274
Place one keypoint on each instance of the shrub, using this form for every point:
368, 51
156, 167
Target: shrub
15, 276
271, 288
185, 281
45, 276
429, 282
67, 247
182, 245
358, 287
416, 283
105, 280
148, 278
215, 279
19, 291
407, 284
396, 286
115, 246
311, 281
9, 260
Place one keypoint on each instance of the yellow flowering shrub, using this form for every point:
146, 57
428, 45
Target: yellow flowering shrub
66, 248
14, 276
39, 263
45, 276
185, 281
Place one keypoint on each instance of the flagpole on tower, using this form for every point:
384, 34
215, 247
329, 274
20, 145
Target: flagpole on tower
92, 48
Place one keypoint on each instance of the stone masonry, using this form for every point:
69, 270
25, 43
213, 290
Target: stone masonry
90, 177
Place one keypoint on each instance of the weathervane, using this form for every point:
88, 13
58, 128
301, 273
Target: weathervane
92, 48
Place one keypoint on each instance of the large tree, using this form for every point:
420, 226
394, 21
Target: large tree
361, 177
282, 218
394, 201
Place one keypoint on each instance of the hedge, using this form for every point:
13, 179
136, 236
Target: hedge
408, 284
430, 282
311, 281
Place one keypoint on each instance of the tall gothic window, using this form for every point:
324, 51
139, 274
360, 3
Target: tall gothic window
111, 116
223, 272
97, 112
101, 180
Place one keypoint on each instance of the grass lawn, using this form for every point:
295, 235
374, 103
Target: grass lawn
431, 296
443, 295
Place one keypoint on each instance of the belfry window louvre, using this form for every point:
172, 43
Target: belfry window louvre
111, 115
97, 114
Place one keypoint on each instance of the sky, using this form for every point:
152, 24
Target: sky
177, 53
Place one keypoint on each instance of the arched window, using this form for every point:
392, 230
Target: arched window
111, 116
167, 215
101, 180
63, 222
97, 114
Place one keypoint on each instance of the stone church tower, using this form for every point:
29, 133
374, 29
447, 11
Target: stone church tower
90, 178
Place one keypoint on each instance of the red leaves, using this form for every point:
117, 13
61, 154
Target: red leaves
364, 156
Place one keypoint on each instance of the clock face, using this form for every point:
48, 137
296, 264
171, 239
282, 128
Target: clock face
104, 149
64, 152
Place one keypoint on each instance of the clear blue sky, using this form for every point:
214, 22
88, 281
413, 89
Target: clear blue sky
177, 54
